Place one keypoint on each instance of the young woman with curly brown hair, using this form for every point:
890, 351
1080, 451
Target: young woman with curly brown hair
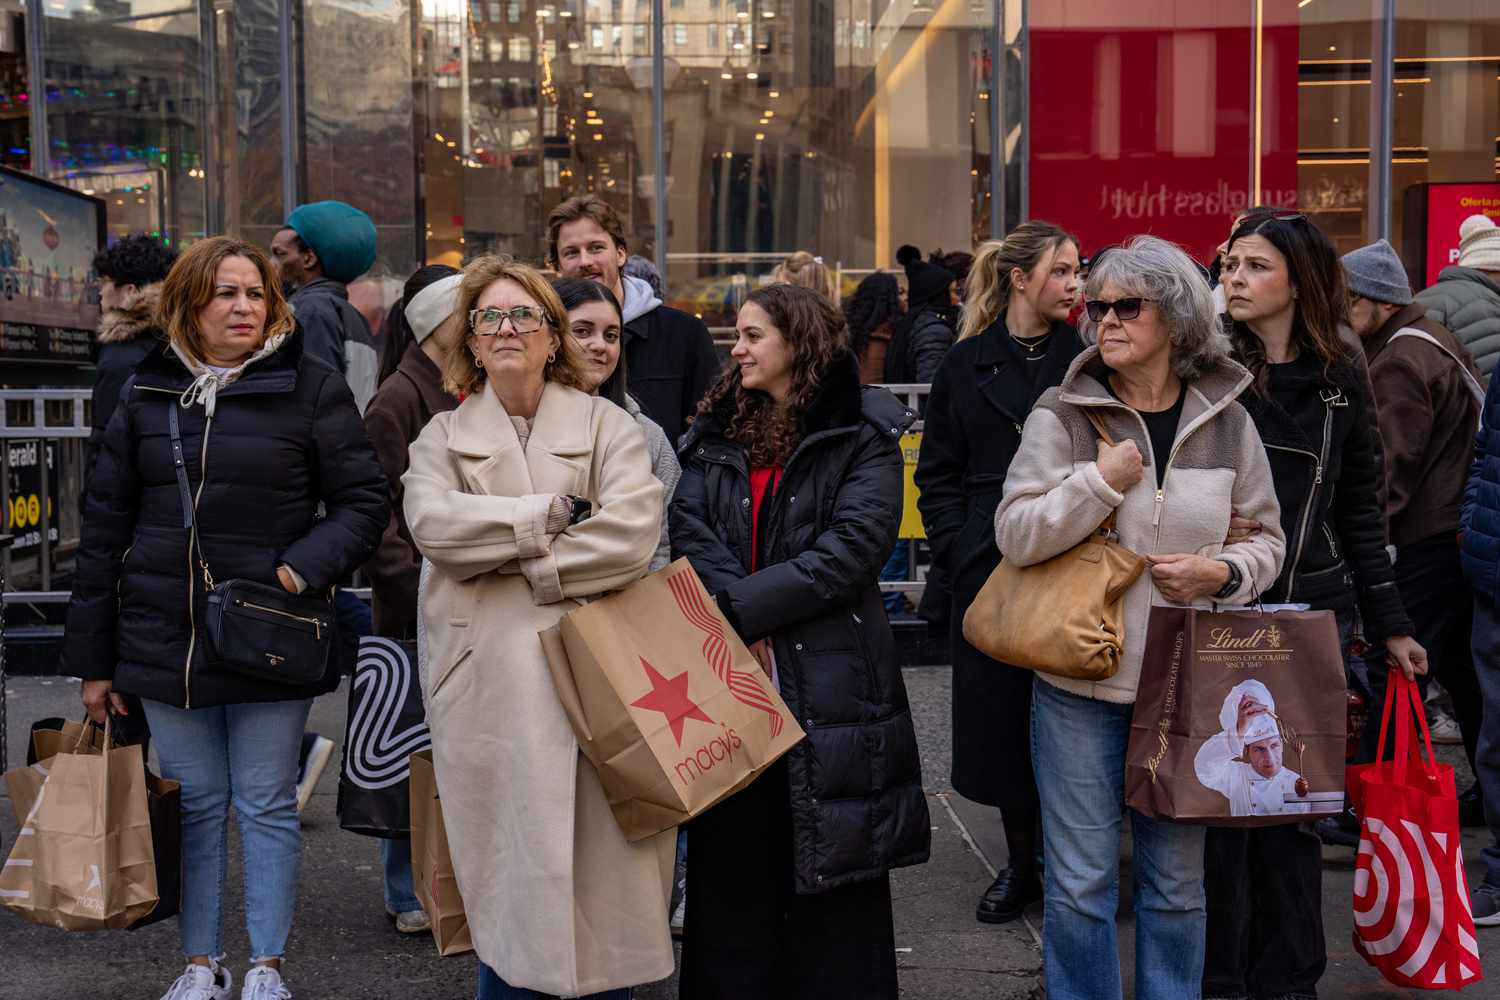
787, 508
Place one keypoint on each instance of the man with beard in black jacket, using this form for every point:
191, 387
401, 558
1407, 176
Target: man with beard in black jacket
669, 355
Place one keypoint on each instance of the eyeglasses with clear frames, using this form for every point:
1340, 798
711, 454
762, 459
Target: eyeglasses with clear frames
523, 320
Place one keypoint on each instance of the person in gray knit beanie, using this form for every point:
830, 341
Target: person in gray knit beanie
1425, 384
1375, 272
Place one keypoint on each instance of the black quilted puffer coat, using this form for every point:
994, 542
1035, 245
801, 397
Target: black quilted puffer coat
858, 809
285, 436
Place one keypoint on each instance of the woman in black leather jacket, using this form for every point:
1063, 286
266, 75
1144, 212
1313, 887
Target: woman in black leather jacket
1286, 302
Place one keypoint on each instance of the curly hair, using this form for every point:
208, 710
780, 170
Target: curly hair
818, 336
875, 302
135, 260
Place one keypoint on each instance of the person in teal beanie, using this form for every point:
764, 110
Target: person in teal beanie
324, 246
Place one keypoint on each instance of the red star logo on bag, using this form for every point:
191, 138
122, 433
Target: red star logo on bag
669, 696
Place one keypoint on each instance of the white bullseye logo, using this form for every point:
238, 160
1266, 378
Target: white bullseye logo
1401, 908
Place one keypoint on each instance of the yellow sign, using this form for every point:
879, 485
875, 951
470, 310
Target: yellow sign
911, 520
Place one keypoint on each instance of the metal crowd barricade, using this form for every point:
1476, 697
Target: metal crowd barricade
914, 395
36, 417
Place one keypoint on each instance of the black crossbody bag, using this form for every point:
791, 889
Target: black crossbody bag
256, 629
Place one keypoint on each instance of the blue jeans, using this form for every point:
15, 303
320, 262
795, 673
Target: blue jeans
1487, 758
896, 568
247, 755
492, 987
1078, 754
395, 857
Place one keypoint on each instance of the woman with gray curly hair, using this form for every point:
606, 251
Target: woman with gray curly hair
1161, 379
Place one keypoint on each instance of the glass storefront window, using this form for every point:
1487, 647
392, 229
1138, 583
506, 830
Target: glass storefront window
1447, 126
1335, 46
841, 127
125, 114
558, 103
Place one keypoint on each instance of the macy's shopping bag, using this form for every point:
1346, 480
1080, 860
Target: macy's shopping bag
666, 701
387, 724
432, 865
52, 737
1239, 718
1412, 919
83, 858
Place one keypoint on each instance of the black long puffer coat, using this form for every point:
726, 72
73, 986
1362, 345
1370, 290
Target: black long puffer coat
285, 436
858, 809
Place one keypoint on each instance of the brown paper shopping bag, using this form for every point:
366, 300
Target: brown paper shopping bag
667, 702
1239, 719
431, 865
83, 858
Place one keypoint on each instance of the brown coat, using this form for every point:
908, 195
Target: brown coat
1428, 416
402, 406
557, 900
872, 359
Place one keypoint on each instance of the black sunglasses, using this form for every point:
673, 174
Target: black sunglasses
1125, 309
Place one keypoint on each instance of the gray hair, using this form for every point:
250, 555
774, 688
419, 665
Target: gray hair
1160, 271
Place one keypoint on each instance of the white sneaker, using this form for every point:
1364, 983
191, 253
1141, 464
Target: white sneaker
262, 983
315, 753
200, 982
1444, 728
411, 921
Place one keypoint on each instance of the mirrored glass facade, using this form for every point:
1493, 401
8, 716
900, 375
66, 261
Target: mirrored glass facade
842, 127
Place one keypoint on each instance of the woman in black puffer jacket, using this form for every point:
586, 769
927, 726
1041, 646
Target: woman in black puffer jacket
267, 435
788, 506
1286, 301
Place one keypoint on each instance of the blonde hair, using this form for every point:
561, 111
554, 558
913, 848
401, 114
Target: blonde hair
462, 375
806, 271
987, 292
189, 287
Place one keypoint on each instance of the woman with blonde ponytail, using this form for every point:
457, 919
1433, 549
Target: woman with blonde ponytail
1014, 344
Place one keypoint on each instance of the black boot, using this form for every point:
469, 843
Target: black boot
1009, 895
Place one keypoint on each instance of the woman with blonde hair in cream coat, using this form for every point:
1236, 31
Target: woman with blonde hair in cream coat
530, 498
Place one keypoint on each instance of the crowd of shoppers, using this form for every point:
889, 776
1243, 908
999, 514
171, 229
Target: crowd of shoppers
1297, 428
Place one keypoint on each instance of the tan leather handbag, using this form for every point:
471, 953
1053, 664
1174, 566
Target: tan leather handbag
1064, 616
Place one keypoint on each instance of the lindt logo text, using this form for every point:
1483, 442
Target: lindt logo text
1262, 638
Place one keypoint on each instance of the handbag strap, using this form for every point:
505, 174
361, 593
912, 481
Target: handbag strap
185, 491
1111, 521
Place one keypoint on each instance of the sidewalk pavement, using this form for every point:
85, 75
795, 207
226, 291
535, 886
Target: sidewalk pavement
344, 948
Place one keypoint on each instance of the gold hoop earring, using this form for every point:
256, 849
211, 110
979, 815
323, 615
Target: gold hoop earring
551, 357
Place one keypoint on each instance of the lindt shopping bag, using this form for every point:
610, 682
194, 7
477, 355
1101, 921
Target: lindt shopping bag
386, 725
1239, 718
83, 858
431, 864
1412, 919
666, 701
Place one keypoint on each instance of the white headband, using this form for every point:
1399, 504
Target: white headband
432, 305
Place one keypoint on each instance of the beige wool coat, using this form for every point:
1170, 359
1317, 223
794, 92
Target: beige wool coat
557, 900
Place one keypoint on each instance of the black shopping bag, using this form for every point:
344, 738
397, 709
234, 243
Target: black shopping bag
387, 724
164, 804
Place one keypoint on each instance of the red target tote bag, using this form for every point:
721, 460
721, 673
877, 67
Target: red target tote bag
1411, 899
